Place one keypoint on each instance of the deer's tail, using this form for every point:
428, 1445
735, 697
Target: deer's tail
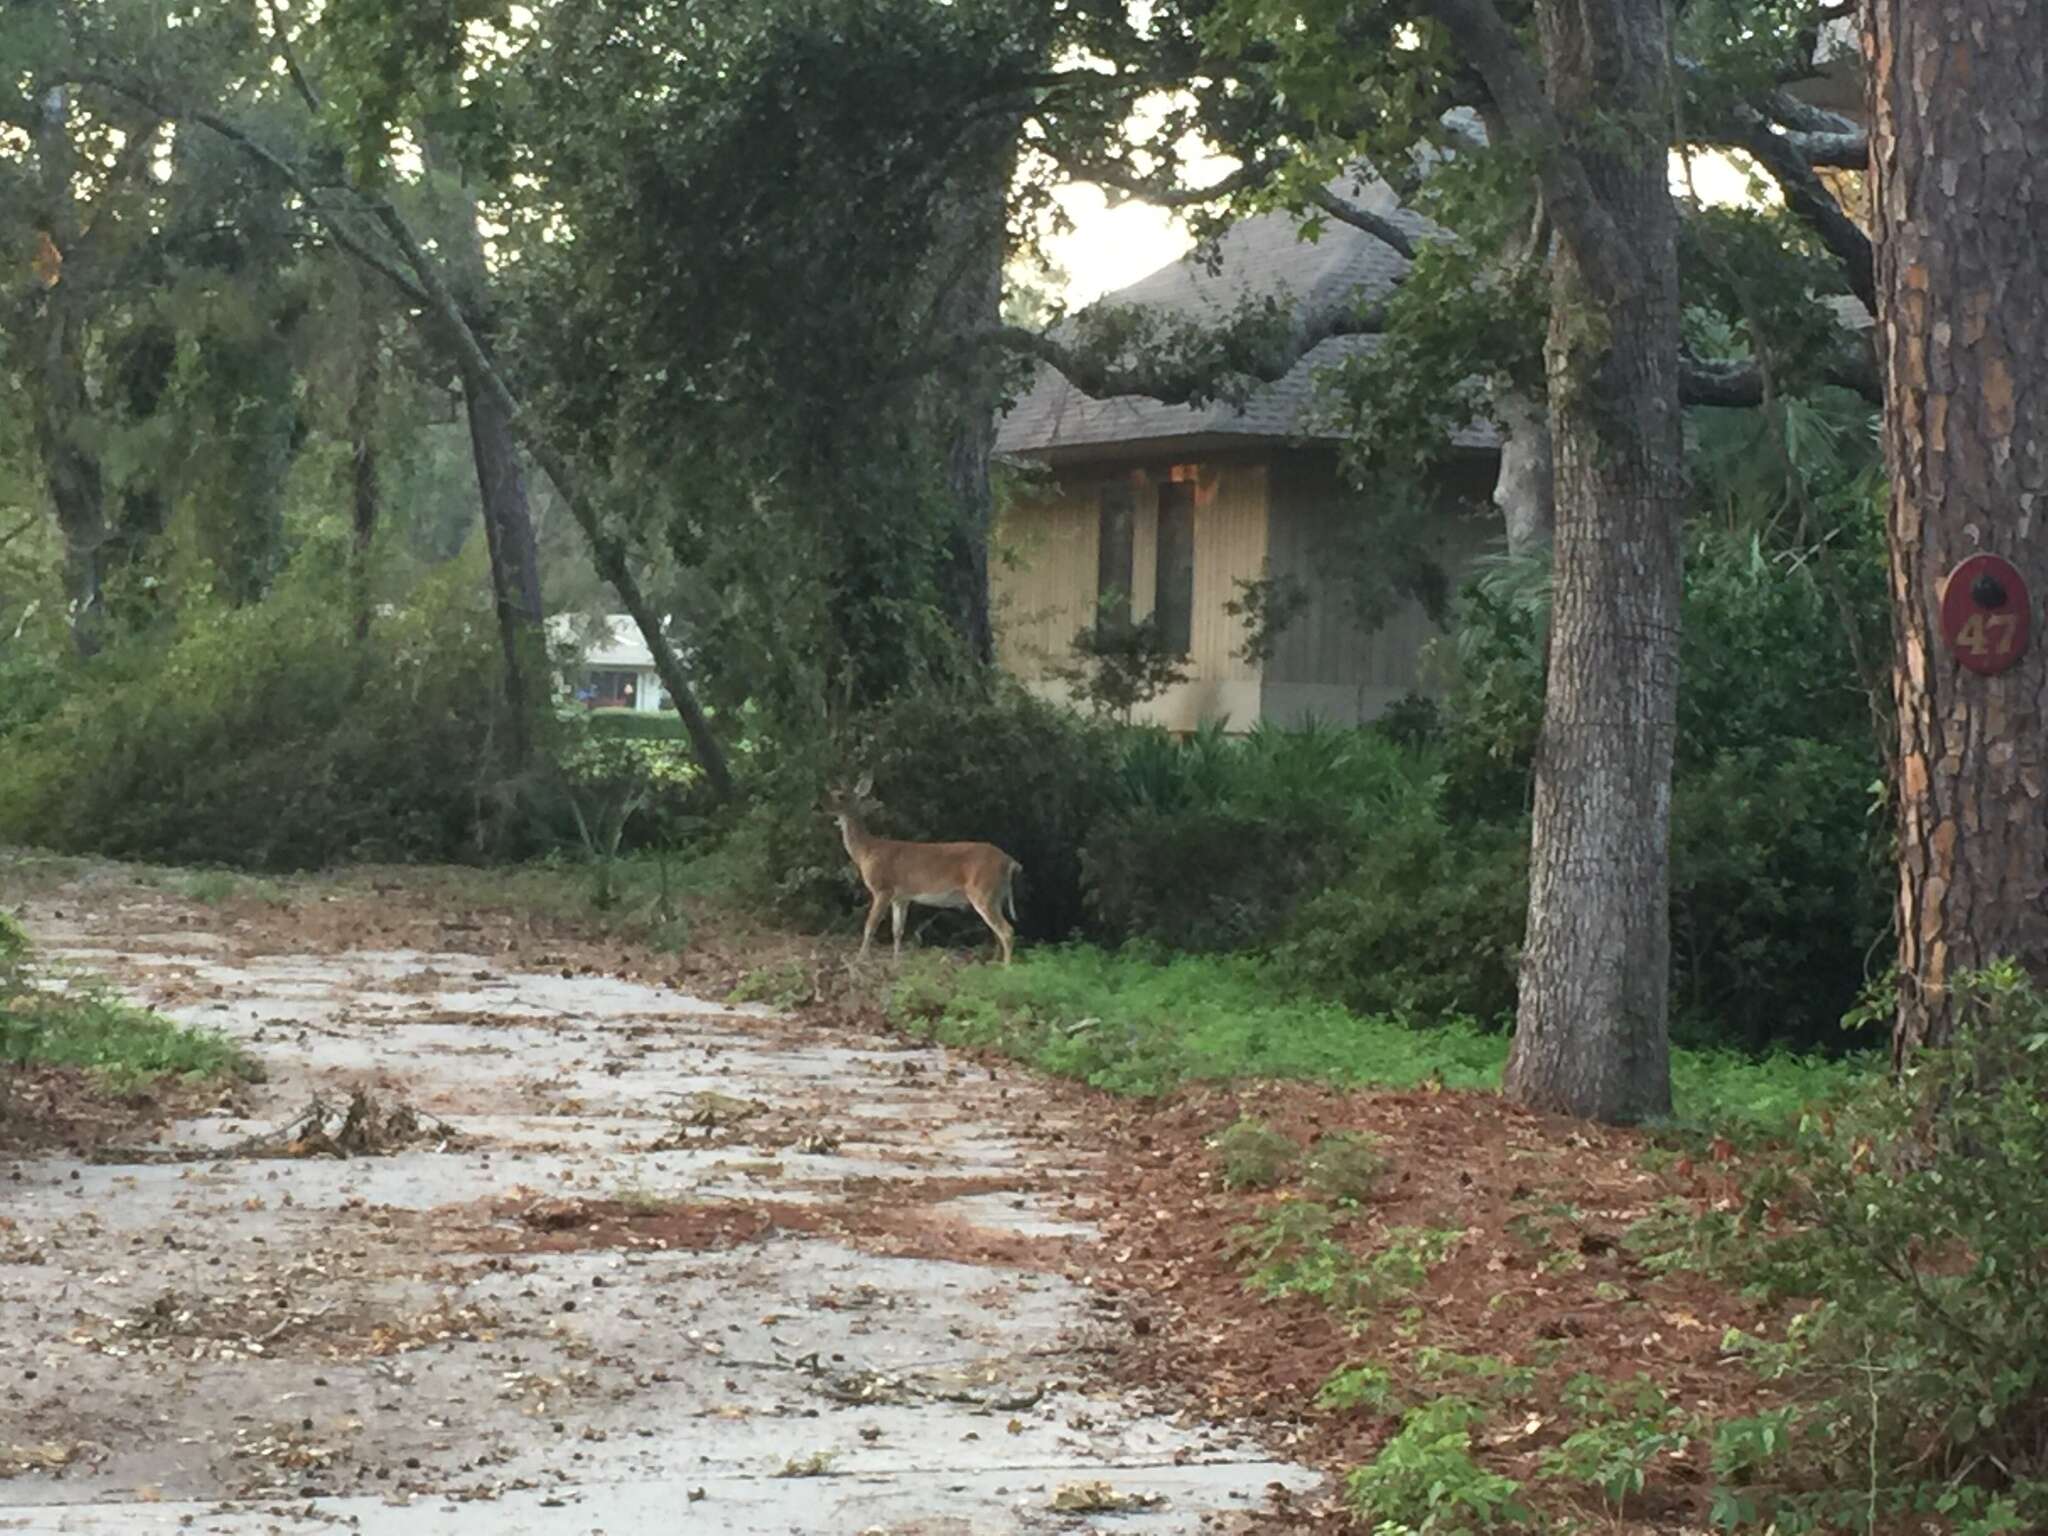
1010, 890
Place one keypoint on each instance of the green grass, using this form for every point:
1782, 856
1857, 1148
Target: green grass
81, 1025
127, 1045
1123, 1021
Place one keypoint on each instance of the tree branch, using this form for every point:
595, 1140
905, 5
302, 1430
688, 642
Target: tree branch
1168, 380
1742, 383
327, 218
1380, 227
1518, 93
307, 94
1808, 198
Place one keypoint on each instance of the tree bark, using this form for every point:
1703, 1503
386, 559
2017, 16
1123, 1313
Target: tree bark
366, 493
1959, 164
1591, 1031
1525, 490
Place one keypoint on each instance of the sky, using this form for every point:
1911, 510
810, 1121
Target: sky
1110, 248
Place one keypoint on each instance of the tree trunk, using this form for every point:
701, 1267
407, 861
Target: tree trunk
71, 471
362, 432
1525, 489
1959, 165
501, 482
1591, 1036
508, 535
973, 303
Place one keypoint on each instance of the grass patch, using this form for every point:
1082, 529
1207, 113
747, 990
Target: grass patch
1126, 1021
70, 1023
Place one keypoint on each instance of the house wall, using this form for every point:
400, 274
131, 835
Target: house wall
1043, 579
1323, 665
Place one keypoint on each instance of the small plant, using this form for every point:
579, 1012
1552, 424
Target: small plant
1345, 1166
1425, 1482
1294, 1254
1360, 1386
1253, 1155
784, 984
1629, 1425
1118, 663
1501, 1378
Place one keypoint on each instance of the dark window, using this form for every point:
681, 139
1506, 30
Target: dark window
1113, 555
1173, 605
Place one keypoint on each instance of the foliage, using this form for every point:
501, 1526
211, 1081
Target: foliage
1344, 1166
1426, 925
1267, 606
1911, 1218
1225, 837
1294, 1253
1424, 1481
1253, 1155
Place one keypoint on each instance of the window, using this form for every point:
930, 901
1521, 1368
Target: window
1113, 554
1173, 603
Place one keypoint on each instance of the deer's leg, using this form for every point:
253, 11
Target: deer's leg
874, 917
993, 916
897, 911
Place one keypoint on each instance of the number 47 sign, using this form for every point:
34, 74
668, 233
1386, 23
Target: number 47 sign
1985, 613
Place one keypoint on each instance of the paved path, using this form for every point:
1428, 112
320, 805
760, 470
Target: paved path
680, 1267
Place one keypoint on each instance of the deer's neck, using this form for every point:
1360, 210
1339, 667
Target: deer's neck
854, 835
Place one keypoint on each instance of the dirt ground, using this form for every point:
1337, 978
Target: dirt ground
625, 1244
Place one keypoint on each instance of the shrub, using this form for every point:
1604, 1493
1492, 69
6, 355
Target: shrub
1918, 1208
264, 736
1428, 924
1778, 894
1226, 836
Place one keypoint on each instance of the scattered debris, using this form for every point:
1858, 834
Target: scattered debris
1102, 1499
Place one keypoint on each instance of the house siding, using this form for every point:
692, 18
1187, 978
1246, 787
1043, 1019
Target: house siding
1044, 580
1323, 665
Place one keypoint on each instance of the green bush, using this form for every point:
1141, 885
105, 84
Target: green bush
1914, 1212
266, 737
1778, 896
1427, 926
1226, 836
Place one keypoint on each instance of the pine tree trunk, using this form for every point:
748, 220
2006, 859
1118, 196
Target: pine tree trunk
1591, 1037
1959, 163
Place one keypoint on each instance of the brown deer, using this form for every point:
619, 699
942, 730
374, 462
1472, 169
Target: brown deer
977, 875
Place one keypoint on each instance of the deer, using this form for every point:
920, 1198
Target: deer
897, 874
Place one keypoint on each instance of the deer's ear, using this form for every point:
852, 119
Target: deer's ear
865, 787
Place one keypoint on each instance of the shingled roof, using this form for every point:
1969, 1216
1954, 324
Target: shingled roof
1259, 258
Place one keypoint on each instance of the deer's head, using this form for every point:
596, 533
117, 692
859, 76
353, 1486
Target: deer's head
843, 804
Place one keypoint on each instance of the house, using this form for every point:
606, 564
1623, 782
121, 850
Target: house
611, 667
1173, 506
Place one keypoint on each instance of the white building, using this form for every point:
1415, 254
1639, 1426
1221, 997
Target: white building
611, 667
